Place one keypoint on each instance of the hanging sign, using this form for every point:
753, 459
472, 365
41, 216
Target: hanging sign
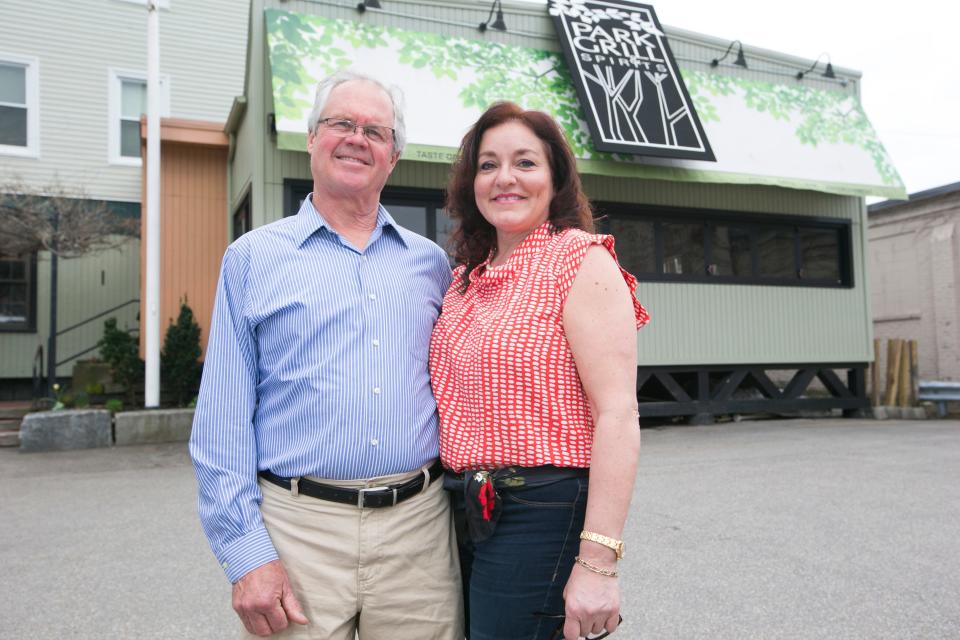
627, 81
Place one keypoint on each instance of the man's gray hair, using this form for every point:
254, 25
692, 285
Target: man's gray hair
334, 80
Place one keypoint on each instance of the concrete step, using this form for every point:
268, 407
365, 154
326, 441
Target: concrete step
9, 437
10, 424
14, 410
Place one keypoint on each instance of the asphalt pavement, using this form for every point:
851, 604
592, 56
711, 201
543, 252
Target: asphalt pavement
792, 529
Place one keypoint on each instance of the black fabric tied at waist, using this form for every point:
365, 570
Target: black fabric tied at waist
482, 501
364, 498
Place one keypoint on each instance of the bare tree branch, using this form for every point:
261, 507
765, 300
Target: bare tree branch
59, 219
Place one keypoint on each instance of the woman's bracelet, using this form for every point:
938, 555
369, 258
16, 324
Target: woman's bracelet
610, 573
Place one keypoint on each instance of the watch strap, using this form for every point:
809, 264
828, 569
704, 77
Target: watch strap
607, 541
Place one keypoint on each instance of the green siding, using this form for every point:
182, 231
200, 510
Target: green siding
88, 286
691, 323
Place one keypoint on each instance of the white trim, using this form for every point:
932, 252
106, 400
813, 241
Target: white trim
32, 80
115, 92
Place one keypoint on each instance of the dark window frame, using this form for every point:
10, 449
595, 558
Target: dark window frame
754, 222
242, 219
30, 326
296, 189
430, 199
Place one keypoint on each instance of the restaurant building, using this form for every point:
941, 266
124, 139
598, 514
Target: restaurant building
750, 255
733, 178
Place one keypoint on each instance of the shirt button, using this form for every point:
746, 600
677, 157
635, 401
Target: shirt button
376, 390
374, 442
376, 342
372, 296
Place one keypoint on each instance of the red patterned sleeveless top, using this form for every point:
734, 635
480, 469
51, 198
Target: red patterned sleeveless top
503, 375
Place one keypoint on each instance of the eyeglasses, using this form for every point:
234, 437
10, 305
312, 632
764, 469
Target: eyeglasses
558, 632
373, 132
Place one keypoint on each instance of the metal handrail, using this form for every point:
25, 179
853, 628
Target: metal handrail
93, 348
99, 315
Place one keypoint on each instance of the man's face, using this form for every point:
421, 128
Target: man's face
352, 165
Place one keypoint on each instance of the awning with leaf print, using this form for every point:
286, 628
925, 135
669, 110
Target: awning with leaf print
762, 133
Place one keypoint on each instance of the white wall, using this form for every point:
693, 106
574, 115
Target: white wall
915, 278
203, 47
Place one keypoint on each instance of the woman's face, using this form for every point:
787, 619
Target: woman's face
513, 185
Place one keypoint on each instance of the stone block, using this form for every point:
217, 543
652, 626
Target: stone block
158, 425
62, 430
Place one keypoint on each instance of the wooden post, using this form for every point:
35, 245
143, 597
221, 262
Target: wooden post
894, 351
905, 382
914, 371
875, 374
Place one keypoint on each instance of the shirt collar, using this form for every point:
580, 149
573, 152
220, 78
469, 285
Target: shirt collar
308, 221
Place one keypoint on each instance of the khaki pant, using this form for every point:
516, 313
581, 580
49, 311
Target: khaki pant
389, 573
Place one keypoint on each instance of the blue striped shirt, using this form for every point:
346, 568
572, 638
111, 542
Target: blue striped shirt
316, 365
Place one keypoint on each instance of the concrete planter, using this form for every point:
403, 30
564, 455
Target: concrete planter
63, 430
148, 427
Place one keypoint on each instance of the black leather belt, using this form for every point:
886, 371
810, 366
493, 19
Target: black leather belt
366, 498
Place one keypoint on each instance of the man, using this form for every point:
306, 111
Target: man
316, 380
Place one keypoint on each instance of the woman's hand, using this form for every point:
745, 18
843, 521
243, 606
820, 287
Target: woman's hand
592, 603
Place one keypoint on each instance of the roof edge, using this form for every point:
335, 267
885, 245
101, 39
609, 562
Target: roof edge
926, 194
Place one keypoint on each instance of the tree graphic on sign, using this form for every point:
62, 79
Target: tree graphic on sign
624, 96
633, 86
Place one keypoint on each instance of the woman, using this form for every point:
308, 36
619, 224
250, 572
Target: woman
533, 362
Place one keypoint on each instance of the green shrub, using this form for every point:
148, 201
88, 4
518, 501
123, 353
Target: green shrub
120, 350
179, 361
113, 405
94, 389
81, 401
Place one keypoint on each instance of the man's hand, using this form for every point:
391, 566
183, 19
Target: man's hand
265, 602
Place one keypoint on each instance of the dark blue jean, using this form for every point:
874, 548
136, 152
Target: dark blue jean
523, 567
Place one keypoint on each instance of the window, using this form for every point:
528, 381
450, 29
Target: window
638, 235
775, 247
419, 210
242, 218
18, 293
133, 103
818, 251
683, 247
731, 251
128, 101
19, 107
729, 247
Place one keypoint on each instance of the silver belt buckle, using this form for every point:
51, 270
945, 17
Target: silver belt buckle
361, 493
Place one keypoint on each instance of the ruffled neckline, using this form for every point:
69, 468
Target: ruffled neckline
521, 255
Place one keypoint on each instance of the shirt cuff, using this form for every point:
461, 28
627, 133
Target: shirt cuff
246, 553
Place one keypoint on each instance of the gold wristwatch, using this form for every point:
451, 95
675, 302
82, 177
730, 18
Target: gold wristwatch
607, 541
